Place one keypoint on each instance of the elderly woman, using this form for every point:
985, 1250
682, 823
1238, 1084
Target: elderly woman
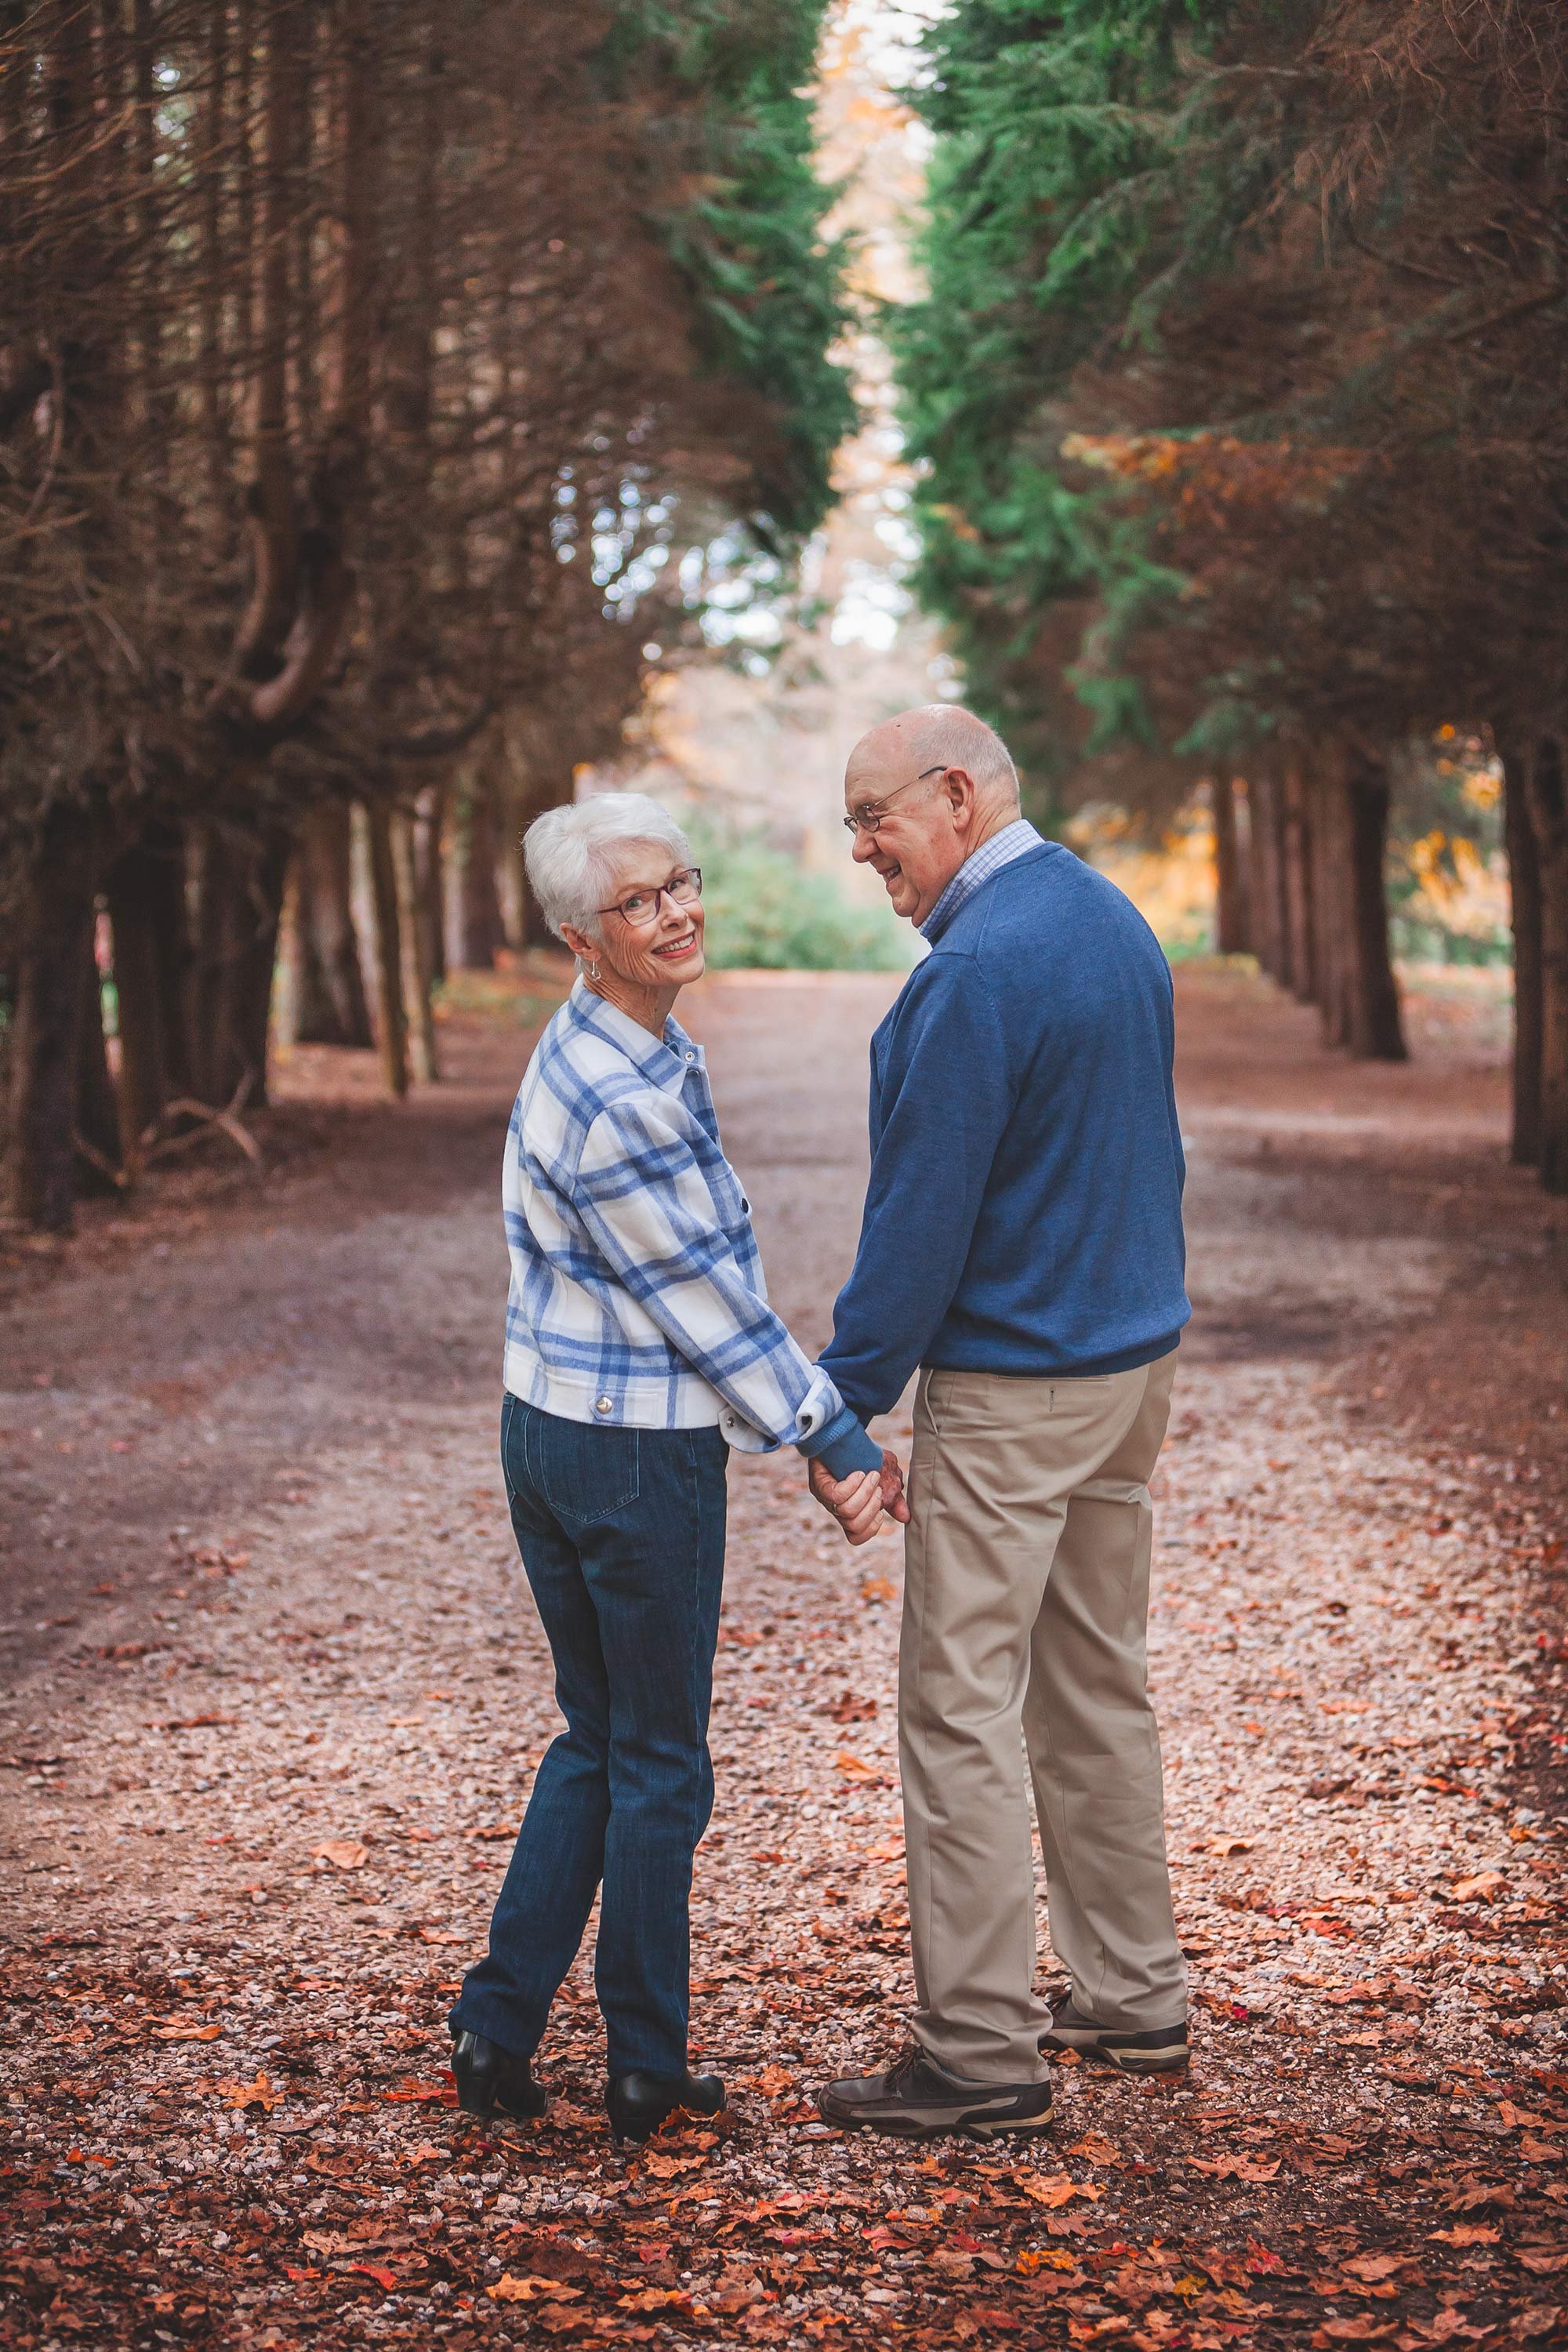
639, 1348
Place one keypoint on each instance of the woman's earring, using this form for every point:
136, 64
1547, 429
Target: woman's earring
594, 973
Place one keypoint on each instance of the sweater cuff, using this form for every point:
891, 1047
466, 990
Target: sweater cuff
842, 1446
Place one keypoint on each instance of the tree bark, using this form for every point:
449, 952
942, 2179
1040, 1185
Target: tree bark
415, 969
230, 997
146, 892
97, 1107
479, 929
328, 991
1297, 876
429, 874
1547, 790
54, 958
1267, 932
391, 1027
1524, 892
1232, 932
1358, 992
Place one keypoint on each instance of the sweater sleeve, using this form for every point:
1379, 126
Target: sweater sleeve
946, 1099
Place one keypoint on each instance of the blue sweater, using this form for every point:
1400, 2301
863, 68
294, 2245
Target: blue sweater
1024, 1209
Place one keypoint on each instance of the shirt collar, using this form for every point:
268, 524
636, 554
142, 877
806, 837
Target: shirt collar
1014, 840
668, 1065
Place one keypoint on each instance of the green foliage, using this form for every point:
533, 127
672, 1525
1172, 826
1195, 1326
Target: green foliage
766, 910
748, 240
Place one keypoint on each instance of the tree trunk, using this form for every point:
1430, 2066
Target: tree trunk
327, 987
146, 894
1267, 943
547, 790
1297, 874
1329, 857
1232, 934
54, 958
415, 969
477, 930
97, 1108
1358, 992
391, 1027
1524, 892
230, 997
429, 874
1547, 791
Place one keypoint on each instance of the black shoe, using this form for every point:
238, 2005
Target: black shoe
638, 2104
918, 2099
1161, 2051
490, 2077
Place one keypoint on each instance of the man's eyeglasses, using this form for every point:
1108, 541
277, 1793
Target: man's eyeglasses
867, 815
640, 911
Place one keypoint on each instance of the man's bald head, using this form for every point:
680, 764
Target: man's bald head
923, 791
937, 735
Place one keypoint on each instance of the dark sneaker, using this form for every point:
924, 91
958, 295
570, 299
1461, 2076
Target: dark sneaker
1162, 2050
918, 2099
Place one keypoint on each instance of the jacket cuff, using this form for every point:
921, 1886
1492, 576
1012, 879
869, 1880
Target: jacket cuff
842, 1446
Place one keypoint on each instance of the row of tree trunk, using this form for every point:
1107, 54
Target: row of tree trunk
1300, 857
1300, 854
336, 928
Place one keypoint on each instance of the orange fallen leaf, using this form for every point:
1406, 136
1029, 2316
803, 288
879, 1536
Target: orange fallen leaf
665, 2167
1468, 2233
1372, 2267
529, 2289
1484, 1887
1095, 2148
1221, 1846
855, 1767
378, 2272
344, 1853
653, 2298
409, 2089
878, 1587
774, 2081
259, 2094
186, 2033
1055, 2189
1234, 2167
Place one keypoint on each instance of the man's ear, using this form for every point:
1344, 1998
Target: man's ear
961, 794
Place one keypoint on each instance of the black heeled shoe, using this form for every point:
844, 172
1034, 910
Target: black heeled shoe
638, 2104
490, 2077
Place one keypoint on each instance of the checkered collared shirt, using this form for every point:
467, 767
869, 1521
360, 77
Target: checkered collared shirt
637, 1295
1014, 840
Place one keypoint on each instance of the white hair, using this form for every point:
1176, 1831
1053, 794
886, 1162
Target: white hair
570, 853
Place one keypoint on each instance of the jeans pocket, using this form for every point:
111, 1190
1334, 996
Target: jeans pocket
584, 1471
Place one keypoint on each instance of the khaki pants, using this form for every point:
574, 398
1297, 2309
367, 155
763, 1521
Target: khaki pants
1026, 1611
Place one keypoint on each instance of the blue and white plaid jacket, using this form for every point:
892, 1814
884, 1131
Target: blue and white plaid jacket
637, 1296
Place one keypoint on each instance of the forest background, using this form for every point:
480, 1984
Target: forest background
385, 459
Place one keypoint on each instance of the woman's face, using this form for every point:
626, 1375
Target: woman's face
656, 944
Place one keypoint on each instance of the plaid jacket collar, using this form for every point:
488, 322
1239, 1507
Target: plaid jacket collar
666, 1066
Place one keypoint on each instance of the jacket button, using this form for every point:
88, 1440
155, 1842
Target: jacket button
603, 1405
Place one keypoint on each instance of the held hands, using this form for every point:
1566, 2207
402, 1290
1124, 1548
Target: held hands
858, 1501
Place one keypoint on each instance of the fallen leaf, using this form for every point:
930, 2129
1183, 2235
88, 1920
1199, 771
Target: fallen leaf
1541, 2259
344, 1853
259, 2094
1468, 2233
1466, 2195
379, 2272
529, 2289
1221, 1846
773, 2082
1484, 1887
1234, 2167
855, 1767
1055, 2189
1372, 2267
186, 2033
1095, 2148
665, 2167
653, 2298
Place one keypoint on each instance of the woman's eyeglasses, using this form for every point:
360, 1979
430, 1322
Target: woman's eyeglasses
867, 815
640, 911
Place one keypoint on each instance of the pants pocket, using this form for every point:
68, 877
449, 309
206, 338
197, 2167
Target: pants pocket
585, 1474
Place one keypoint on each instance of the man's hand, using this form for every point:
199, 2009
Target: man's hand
858, 1501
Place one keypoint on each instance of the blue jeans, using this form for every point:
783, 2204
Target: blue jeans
621, 1536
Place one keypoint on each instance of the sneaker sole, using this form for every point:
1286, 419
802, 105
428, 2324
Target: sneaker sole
919, 2128
1123, 2062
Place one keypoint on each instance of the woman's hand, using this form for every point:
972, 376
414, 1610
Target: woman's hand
858, 1501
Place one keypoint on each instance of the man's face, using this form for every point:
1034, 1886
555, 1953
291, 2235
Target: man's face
922, 824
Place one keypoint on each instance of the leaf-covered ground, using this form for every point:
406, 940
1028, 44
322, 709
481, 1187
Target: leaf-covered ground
278, 1693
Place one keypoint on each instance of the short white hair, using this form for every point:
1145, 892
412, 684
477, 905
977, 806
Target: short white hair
570, 853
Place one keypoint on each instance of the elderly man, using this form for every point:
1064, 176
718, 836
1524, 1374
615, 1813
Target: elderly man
1022, 1245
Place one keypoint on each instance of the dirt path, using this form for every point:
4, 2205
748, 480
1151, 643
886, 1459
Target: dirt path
277, 1691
